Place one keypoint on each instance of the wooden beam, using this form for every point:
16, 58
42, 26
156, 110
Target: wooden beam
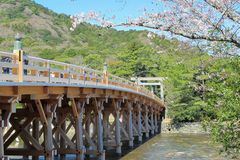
41, 112
27, 152
17, 132
74, 108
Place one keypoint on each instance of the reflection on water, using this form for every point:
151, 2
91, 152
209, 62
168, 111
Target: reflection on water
176, 147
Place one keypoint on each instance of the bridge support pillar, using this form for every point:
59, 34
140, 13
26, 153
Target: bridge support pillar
35, 133
106, 125
152, 121
146, 121
130, 124
48, 136
117, 108
62, 140
1, 136
88, 116
99, 109
25, 145
139, 122
156, 121
79, 130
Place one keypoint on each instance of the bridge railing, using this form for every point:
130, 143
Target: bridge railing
17, 67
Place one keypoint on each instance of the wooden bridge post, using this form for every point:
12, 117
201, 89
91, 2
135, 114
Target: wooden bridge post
152, 121
117, 107
35, 133
106, 124
62, 140
26, 145
130, 124
1, 136
155, 120
19, 54
48, 137
79, 130
87, 124
105, 72
146, 121
99, 109
139, 121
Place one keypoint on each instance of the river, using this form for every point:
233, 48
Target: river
167, 146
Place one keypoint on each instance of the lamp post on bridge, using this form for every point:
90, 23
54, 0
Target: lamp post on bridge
105, 72
18, 51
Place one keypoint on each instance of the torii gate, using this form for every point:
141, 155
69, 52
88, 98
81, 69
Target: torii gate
158, 81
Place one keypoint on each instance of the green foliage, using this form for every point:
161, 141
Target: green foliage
49, 54
1, 40
24, 28
94, 61
224, 98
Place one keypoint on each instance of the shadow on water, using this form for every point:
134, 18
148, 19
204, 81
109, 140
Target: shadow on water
110, 153
166, 147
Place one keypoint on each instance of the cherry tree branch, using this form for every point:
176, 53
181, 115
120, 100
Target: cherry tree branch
231, 14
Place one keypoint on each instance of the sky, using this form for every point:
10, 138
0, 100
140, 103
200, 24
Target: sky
122, 9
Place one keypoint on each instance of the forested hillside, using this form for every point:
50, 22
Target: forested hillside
199, 87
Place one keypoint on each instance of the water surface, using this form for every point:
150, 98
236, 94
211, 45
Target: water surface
176, 147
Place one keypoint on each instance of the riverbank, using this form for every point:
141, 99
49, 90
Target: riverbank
188, 128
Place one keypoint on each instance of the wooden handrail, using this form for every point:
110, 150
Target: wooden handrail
37, 69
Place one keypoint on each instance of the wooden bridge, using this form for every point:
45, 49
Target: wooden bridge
58, 109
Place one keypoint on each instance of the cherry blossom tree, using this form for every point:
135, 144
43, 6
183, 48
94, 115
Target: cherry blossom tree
216, 21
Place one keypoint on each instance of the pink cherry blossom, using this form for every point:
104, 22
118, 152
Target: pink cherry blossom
209, 20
